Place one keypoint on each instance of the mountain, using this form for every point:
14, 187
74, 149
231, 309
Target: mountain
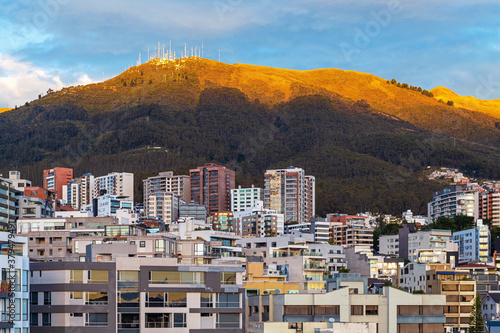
367, 141
489, 107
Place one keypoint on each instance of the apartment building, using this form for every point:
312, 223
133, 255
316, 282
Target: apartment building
290, 192
473, 244
8, 202
458, 199
428, 240
223, 221
167, 182
136, 295
391, 311
211, 185
14, 264
389, 244
243, 199
163, 205
459, 290
54, 179
116, 183
18, 183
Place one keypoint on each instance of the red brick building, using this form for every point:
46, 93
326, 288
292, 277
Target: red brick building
54, 179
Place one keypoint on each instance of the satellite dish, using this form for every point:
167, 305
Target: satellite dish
331, 320
277, 291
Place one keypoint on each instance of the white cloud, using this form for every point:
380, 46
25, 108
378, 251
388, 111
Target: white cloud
21, 82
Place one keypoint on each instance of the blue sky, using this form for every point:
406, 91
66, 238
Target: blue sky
54, 43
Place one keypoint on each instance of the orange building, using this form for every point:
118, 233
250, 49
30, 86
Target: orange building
54, 179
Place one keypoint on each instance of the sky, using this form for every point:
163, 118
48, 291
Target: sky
56, 43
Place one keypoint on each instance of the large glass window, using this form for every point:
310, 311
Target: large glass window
96, 319
128, 320
228, 300
76, 276
34, 298
228, 278
47, 298
180, 320
228, 320
98, 276
46, 319
96, 298
128, 281
155, 300
176, 299
126, 299
166, 277
157, 320
206, 300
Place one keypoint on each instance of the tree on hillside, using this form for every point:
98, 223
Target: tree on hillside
476, 322
457, 223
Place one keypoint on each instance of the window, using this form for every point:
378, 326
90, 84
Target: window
46, 319
76, 276
159, 245
228, 278
228, 320
34, 319
34, 298
96, 319
371, 310
47, 298
356, 310
142, 244
155, 300
96, 298
206, 300
128, 281
97, 276
177, 299
128, 320
171, 277
126, 299
180, 320
76, 295
228, 300
157, 320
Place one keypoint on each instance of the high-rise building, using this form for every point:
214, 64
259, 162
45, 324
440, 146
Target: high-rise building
164, 205
453, 201
489, 206
211, 185
115, 183
15, 266
86, 189
166, 182
245, 198
473, 244
54, 179
71, 193
290, 192
8, 202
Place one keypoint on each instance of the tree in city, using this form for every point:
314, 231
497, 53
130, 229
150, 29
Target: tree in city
476, 322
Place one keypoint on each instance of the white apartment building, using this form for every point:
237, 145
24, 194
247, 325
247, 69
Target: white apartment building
389, 244
290, 192
453, 201
71, 194
427, 240
115, 183
245, 198
14, 257
18, 183
473, 244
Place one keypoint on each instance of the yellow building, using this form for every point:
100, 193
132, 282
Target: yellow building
260, 281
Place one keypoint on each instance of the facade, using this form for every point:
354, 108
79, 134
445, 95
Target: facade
54, 179
163, 205
491, 306
460, 292
196, 211
136, 295
428, 240
223, 221
18, 183
30, 207
259, 222
321, 230
87, 182
389, 244
262, 280
354, 232
115, 183
108, 205
14, 264
245, 198
211, 185
71, 193
392, 311
167, 182
8, 202
290, 192
489, 206
473, 244
453, 201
